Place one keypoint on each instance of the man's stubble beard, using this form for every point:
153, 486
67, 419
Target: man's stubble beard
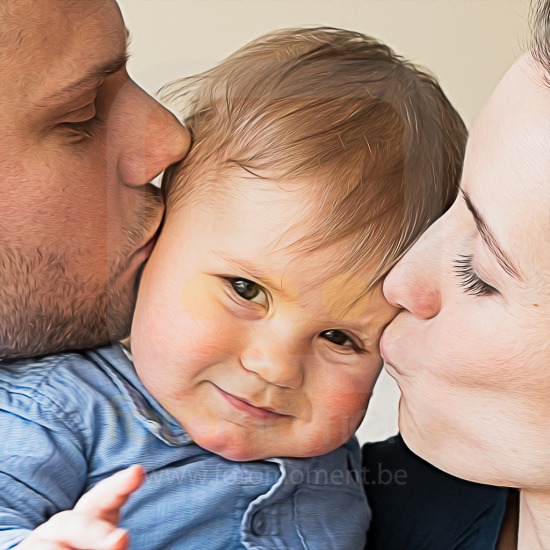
44, 309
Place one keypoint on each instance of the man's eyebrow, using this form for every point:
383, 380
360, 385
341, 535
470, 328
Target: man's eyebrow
94, 76
490, 240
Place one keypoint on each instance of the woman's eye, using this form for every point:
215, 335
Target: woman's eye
469, 279
339, 338
249, 290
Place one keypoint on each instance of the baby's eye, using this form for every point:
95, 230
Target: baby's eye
249, 290
339, 338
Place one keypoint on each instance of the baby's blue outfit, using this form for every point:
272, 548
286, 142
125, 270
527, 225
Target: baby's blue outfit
68, 421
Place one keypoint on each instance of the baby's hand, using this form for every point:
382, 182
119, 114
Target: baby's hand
92, 523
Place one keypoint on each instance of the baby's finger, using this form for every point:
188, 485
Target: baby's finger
76, 531
107, 498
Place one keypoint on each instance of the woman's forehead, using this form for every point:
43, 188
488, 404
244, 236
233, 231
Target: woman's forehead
507, 166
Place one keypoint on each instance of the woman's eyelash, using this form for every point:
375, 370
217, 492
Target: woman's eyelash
469, 279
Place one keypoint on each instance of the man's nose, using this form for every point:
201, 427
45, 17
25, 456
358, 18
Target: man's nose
151, 137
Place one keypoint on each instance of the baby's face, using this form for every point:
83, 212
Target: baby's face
257, 349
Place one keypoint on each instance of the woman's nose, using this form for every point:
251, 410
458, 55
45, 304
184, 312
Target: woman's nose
275, 363
154, 139
414, 283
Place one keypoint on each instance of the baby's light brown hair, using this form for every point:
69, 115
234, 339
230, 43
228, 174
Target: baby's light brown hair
374, 136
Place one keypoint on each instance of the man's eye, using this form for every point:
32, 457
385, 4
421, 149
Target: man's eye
249, 290
339, 338
85, 129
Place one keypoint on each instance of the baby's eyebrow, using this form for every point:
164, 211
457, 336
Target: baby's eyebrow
490, 240
252, 270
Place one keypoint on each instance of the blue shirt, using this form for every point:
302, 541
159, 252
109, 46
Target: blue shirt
68, 421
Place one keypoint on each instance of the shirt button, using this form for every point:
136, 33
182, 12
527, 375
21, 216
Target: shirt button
260, 525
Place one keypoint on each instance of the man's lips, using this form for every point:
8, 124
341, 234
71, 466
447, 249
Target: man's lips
262, 413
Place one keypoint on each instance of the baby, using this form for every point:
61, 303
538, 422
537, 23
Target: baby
318, 158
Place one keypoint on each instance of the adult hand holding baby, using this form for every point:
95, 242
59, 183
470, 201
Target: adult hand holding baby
93, 523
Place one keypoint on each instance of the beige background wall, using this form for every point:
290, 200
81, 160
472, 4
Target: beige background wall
468, 44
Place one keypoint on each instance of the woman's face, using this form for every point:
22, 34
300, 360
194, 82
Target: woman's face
470, 351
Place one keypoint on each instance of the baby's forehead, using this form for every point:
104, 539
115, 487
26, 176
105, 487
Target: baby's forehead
278, 210
273, 226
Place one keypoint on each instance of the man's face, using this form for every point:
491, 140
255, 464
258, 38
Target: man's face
79, 142
470, 351
257, 349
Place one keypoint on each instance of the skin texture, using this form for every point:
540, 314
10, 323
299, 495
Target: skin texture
472, 362
203, 350
76, 206
92, 523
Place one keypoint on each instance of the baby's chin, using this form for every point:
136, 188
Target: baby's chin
235, 448
239, 449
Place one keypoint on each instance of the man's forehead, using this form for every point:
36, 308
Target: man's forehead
56, 41
20, 15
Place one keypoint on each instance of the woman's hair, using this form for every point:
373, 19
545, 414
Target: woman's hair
372, 136
540, 25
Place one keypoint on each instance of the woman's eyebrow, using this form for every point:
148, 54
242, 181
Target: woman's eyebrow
490, 240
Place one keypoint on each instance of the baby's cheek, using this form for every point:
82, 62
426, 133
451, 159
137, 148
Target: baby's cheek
342, 414
197, 298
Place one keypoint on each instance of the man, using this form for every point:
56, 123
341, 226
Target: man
79, 144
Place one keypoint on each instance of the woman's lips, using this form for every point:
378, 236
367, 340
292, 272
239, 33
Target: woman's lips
391, 369
245, 407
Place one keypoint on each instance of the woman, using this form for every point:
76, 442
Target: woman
470, 350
